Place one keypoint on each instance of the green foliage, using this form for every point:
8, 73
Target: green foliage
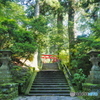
12, 10
39, 24
17, 38
39, 28
4, 1
13, 34
64, 57
94, 38
7, 27
30, 11
23, 43
53, 3
8, 23
96, 28
80, 59
79, 78
20, 74
49, 6
23, 49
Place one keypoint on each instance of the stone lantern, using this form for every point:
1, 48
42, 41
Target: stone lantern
8, 89
94, 76
92, 82
5, 76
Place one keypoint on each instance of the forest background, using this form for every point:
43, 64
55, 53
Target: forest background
70, 28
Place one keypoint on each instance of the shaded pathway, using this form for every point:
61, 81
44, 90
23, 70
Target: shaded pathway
47, 98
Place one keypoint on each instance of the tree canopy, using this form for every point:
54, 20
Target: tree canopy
60, 25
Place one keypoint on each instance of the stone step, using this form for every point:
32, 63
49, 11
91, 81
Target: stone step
49, 77
66, 85
57, 83
50, 80
49, 91
50, 88
48, 94
49, 83
49, 72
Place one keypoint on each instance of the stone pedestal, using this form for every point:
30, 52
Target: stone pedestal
5, 76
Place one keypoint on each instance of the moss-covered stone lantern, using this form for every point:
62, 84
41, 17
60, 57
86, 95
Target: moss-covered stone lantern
92, 82
94, 76
5, 76
8, 89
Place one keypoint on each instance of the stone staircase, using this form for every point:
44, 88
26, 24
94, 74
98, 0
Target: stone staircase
50, 83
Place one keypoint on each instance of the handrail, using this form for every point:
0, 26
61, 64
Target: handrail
67, 74
26, 85
67, 71
31, 80
68, 77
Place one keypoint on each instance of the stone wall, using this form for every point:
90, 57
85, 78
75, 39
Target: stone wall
8, 91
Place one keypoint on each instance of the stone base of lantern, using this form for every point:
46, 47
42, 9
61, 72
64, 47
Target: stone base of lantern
89, 87
94, 77
92, 83
8, 91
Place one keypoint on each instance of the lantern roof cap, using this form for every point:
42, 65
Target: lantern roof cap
4, 51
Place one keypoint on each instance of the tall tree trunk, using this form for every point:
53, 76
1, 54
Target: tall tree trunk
59, 27
36, 54
71, 28
60, 22
71, 24
37, 9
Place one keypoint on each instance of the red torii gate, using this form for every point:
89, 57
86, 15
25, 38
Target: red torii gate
53, 57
